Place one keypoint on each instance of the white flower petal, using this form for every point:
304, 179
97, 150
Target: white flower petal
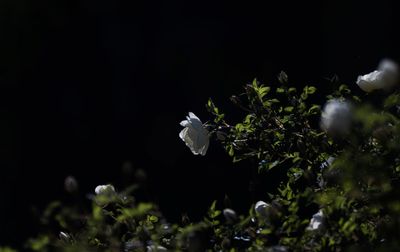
183, 133
316, 221
193, 116
185, 123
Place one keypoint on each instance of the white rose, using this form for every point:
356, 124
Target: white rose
371, 81
316, 221
385, 77
104, 189
391, 72
195, 135
336, 117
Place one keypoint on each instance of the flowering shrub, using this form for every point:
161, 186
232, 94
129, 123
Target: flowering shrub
338, 171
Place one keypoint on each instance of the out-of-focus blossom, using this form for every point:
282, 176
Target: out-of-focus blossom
336, 117
71, 184
195, 136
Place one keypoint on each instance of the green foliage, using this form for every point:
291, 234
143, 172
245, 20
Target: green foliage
357, 194
7, 249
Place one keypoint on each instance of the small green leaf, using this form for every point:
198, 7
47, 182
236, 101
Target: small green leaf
315, 109
280, 90
289, 109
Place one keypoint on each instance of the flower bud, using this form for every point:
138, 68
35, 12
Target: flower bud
71, 184
230, 215
104, 189
261, 208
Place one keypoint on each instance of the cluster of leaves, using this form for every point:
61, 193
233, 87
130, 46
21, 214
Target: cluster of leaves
358, 193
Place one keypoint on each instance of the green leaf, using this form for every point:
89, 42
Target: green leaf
311, 90
391, 101
129, 213
315, 109
289, 109
280, 90
263, 91
255, 83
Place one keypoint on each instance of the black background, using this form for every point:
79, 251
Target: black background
86, 86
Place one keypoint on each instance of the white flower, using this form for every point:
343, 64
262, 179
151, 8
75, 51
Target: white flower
195, 135
261, 208
385, 77
230, 215
336, 117
104, 189
316, 221
154, 248
391, 70
371, 81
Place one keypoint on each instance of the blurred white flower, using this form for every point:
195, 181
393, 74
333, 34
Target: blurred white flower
391, 70
195, 135
336, 117
261, 208
104, 189
316, 221
230, 215
154, 248
385, 77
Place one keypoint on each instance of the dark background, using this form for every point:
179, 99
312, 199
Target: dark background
86, 86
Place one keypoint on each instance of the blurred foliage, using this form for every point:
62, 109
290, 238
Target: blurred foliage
358, 192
